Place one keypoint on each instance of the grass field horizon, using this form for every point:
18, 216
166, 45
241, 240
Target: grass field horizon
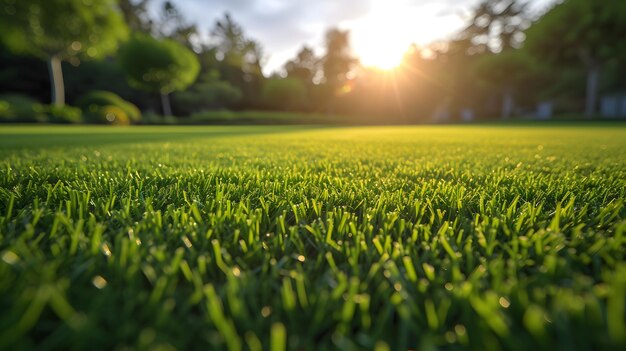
308, 237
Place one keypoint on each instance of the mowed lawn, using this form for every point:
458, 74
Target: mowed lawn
385, 238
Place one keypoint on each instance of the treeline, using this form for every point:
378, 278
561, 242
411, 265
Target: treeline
113, 61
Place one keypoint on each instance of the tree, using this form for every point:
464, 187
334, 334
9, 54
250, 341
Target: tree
505, 72
208, 92
136, 15
336, 64
338, 60
173, 25
497, 25
284, 93
590, 33
160, 66
233, 47
304, 67
60, 30
237, 57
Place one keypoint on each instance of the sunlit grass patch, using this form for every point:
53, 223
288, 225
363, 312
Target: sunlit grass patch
311, 238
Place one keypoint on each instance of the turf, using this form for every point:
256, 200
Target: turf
385, 238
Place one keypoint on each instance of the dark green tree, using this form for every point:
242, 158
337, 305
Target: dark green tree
505, 73
585, 33
60, 30
173, 25
160, 66
208, 92
305, 66
237, 57
287, 94
136, 15
338, 60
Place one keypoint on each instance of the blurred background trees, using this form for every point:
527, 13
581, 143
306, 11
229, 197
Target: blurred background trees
592, 40
504, 63
159, 66
61, 30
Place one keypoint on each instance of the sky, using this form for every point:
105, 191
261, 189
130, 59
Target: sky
380, 30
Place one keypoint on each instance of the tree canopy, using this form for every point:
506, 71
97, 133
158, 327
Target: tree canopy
62, 28
338, 59
161, 66
59, 30
497, 25
582, 32
305, 66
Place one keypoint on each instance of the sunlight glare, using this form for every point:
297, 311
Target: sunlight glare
382, 37
376, 39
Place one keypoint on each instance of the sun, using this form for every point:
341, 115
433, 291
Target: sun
385, 56
381, 37
378, 38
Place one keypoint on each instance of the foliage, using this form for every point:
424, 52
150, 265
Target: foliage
505, 69
284, 94
20, 74
63, 114
338, 59
209, 92
359, 238
104, 75
154, 118
226, 117
237, 57
136, 15
173, 25
306, 66
20, 108
161, 66
94, 100
580, 30
575, 40
60, 30
235, 48
107, 114
496, 26
588, 34
63, 28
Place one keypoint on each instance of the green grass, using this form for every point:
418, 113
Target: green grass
385, 238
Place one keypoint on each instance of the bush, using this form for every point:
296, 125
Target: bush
157, 119
93, 101
20, 108
108, 114
284, 94
63, 114
227, 117
208, 93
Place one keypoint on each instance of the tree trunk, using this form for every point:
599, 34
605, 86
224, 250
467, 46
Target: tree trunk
165, 103
507, 104
57, 87
593, 80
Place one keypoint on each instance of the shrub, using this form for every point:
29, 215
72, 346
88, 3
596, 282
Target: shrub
208, 93
284, 94
157, 119
20, 108
108, 114
63, 114
93, 101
